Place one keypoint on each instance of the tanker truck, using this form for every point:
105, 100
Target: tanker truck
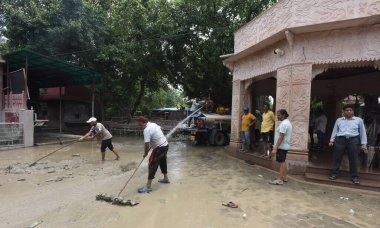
209, 129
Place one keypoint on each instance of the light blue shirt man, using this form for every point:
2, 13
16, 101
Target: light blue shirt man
285, 127
349, 128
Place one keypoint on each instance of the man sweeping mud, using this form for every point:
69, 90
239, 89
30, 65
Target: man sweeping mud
154, 138
98, 130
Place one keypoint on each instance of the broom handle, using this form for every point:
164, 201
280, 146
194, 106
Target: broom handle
126, 183
34, 163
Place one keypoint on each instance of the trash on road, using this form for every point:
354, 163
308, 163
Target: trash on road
230, 205
35, 224
115, 200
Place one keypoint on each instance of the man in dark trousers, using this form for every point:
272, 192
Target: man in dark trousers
349, 135
154, 138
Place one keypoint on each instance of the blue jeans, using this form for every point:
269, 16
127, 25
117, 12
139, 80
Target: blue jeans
321, 138
245, 137
352, 147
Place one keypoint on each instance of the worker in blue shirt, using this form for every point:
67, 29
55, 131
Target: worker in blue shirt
349, 135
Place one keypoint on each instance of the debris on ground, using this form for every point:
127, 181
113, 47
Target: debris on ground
351, 211
343, 198
75, 155
22, 179
115, 200
244, 190
230, 205
57, 179
261, 176
52, 171
35, 224
128, 167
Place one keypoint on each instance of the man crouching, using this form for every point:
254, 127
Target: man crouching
154, 138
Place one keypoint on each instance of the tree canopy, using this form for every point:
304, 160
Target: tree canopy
140, 46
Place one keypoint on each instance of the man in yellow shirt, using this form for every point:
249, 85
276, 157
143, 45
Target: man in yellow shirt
247, 121
220, 110
267, 127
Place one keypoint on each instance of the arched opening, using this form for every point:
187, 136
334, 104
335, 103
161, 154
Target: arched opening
358, 86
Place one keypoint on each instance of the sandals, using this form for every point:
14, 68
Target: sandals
164, 181
144, 190
230, 205
276, 182
355, 181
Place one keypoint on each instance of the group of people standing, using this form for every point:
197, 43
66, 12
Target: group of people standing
348, 136
280, 141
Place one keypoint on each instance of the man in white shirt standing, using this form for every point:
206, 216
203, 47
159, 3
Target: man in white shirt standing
154, 138
98, 130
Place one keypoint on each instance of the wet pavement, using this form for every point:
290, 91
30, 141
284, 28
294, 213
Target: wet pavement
60, 191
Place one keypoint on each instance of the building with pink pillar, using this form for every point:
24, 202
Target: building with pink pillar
302, 49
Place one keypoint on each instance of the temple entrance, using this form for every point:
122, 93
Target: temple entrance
331, 90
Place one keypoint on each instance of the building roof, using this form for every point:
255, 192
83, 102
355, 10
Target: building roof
45, 71
298, 17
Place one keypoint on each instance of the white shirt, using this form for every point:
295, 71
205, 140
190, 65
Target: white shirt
285, 128
320, 123
194, 106
105, 134
154, 135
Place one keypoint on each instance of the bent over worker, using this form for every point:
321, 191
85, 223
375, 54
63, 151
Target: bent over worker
154, 138
98, 130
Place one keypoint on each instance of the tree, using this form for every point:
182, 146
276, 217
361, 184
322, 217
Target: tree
139, 46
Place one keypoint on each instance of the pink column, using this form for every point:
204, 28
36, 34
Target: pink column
239, 99
293, 94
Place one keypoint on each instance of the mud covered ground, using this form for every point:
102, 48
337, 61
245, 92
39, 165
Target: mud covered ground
60, 192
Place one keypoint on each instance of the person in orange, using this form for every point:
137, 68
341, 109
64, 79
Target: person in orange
247, 121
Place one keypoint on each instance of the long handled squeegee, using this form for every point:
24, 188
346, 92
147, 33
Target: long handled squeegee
119, 200
34, 163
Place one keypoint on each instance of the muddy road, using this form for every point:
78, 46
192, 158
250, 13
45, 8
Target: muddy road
60, 192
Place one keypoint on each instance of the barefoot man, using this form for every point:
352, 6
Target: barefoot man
98, 130
154, 138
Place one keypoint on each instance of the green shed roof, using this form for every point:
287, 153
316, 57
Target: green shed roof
45, 71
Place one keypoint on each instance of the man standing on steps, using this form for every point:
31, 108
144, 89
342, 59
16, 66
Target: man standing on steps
348, 134
154, 138
282, 145
98, 130
267, 127
247, 121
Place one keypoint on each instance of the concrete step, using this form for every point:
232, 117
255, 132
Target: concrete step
365, 184
368, 175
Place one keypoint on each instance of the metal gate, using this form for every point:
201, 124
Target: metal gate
11, 135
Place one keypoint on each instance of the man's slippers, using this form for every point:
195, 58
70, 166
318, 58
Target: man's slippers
230, 204
164, 181
144, 190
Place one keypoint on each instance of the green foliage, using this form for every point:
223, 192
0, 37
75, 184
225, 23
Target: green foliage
140, 46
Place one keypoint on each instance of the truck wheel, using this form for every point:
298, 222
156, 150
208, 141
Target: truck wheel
220, 139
